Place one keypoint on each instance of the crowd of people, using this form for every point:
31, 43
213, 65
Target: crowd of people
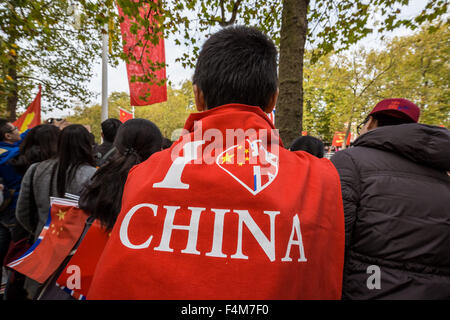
371, 223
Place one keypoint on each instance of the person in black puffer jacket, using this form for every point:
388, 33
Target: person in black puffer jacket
396, 193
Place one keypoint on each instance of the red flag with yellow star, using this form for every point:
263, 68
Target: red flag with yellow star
32, 116
125, 115
64, 227
76, 278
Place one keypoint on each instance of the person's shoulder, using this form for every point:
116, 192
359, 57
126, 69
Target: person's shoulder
150, 164
306, 156
33, 166
303, 157
46, 165
349, 153
43, 165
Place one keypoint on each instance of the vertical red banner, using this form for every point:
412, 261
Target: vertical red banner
142, 94
32, 116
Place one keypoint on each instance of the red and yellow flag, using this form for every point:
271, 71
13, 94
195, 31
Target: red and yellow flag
143, 94
32, 116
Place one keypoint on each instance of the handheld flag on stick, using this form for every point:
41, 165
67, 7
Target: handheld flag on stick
146, 57
64, 227
76, 278
125, 115
32, 116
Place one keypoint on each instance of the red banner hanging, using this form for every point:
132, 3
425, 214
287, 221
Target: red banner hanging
143, 94
339, 137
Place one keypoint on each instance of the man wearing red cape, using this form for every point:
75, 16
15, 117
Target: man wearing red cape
227, 212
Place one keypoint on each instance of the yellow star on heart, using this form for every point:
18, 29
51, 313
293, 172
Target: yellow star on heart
227, 157
61, 214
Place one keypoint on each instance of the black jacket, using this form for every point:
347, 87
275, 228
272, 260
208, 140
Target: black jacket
396, 193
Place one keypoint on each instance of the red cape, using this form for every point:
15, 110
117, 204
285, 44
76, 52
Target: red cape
271, 229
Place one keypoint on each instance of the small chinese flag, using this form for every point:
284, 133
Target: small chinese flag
125, 115
32, 116
64, 227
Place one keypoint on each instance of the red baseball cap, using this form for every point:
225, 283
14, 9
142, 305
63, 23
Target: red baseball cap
397, 107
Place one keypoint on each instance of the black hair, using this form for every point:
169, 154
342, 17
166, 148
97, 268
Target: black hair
4, 128
41, 143
136, 141
309, 144
238, 64
384, 119
109, 129
74, 150
166, 143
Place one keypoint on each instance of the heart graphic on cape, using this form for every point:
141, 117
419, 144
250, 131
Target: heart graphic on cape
250, 164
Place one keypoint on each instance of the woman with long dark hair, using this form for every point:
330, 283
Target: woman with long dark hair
40, 144
68, 172
136, 141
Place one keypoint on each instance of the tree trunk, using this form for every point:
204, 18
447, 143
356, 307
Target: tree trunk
11, 101
294, 28
13, 95
347, 132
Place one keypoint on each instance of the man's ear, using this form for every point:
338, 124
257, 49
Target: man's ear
199, 98
272, 102
372, 123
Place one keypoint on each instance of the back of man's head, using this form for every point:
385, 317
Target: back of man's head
309, 144
237, 65
109, 129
